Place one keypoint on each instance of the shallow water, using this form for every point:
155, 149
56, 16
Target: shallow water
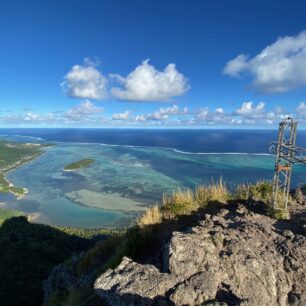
122, 181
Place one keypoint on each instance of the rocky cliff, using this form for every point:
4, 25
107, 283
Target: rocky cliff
235, 257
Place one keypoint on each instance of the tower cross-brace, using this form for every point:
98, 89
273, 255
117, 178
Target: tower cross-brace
287, 154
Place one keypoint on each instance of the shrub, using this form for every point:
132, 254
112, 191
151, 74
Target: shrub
260, 191
279, 214
101, 252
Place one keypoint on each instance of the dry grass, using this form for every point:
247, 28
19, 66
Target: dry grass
152, 216
181, 196
215, 192
185, 202
180, 202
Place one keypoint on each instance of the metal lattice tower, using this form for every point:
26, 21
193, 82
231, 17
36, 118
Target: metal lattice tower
287, 154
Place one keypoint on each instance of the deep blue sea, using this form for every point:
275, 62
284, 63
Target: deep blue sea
189, 140
132, 170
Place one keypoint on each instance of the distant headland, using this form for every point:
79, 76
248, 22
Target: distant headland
13, 155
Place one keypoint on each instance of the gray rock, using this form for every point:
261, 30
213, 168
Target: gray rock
246, 261
197, 289
134, 284
288, 234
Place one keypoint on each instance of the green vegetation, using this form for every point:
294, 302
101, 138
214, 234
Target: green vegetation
6, 214
79, 164
5, 186
93, 234
28, 253
13, 155
279, 214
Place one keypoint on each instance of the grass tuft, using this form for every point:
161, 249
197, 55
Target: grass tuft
152, 216
215, 192
180, 202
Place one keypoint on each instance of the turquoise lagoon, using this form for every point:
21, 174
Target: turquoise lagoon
122, 181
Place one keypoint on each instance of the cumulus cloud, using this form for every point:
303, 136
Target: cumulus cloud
82, 110
85, 82
301, 109
204, 115
28, 118
88, 114
278, 68
248, 113
247, 109
236, 65
122, 116
146, 83
163, 113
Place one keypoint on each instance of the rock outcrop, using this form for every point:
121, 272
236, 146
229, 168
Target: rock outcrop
231, 258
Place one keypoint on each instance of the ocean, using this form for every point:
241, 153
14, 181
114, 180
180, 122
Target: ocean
133, 168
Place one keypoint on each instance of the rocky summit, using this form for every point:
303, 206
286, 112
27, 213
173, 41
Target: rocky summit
235, 257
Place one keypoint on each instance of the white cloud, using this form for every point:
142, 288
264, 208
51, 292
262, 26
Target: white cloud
122, 116
203, 115
27, 118
87, 114
163, 113
236, 65
247, 114
85, 81
247, 109
257, 114
301, 109
146, 83
82, 110
279, 67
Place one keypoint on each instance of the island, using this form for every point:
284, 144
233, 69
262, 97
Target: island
83, 163
13, 155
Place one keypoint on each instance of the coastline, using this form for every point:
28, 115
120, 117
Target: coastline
10, 185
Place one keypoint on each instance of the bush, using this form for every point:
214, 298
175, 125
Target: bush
279, 214
260, 191
102, 251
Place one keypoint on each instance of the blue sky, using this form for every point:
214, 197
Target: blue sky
152, 63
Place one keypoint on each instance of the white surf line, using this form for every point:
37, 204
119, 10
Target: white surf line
185, 152
145, 147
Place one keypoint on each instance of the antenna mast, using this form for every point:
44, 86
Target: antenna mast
287, 154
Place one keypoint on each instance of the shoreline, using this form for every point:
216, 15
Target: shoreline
10, 185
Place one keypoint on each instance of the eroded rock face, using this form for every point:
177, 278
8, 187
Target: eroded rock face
134, 284
233, 258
